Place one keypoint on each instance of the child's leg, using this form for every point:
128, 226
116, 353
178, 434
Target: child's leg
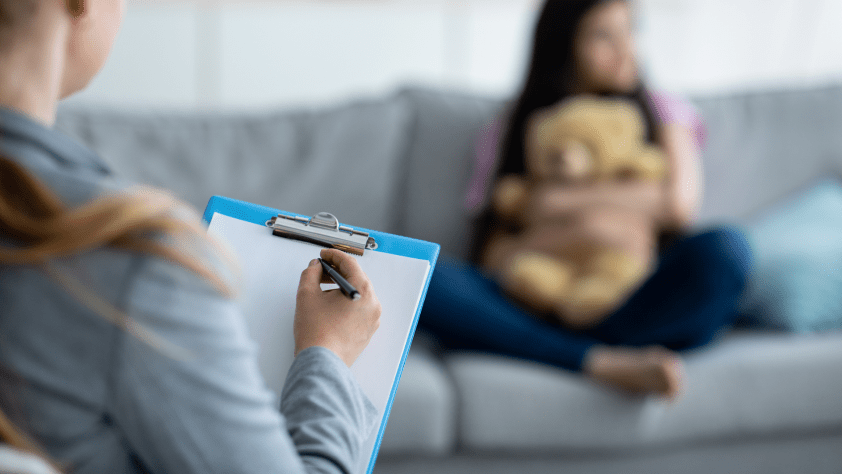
693, 294
466, 310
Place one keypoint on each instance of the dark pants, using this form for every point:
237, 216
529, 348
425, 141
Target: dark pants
693, 294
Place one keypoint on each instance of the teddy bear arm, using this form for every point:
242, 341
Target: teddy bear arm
607, 279
529, 275
644, 164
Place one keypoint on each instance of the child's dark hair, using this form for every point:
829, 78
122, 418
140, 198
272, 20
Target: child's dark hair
551, 78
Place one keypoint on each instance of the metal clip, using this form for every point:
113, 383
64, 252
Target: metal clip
322, 229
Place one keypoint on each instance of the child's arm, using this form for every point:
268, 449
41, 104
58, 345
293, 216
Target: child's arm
554, 201
683, 186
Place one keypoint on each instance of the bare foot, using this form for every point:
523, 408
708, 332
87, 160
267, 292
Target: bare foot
646, 370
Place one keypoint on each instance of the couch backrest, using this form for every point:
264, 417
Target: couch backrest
401, 163
762, 147
439, 163
346, 160
397, 164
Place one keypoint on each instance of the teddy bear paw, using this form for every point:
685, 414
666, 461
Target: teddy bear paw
539, 279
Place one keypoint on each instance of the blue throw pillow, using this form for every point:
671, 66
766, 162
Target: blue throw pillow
797, 283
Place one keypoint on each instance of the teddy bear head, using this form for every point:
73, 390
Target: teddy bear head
590, 139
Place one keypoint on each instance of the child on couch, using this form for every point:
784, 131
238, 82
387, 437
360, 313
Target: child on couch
587, 47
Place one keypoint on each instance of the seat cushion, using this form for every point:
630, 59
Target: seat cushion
797, 282
750, 384
423, 415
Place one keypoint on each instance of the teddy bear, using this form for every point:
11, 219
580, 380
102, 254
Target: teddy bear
578, 141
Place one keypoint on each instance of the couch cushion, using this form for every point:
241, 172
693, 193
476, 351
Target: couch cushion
343, 160
749, 385
797, 282
423, 415
764, 146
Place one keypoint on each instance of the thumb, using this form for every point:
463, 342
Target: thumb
311, 277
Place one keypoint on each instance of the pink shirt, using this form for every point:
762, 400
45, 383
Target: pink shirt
669, 109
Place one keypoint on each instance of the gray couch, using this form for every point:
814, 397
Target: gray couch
756, 401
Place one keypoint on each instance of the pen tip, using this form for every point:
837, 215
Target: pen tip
356, 296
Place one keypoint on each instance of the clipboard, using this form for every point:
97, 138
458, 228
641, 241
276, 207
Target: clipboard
310, 234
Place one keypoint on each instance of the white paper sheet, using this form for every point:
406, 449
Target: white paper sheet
271, 268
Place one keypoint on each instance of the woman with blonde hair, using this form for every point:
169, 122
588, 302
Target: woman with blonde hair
115, 307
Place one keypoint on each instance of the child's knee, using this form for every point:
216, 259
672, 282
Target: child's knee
724, 252
735, 242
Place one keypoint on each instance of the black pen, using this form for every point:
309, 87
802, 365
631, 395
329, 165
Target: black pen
347, 288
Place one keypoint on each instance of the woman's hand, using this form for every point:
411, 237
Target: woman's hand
330, 319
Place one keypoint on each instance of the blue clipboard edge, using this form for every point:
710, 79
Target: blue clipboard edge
388, 243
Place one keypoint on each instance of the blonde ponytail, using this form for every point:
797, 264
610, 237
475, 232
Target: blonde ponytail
37, 227
43, 228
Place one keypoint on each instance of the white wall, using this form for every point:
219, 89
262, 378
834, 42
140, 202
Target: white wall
708, 46
190, 54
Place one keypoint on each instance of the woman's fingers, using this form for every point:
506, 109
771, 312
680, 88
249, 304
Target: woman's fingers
331, 320
348, 267
311, 277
